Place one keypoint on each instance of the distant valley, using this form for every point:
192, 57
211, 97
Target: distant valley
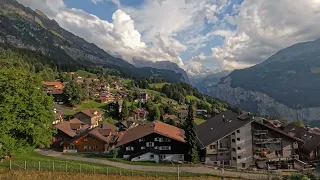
284, 86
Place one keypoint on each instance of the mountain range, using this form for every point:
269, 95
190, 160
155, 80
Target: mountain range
285, 86
22, 27
162, 65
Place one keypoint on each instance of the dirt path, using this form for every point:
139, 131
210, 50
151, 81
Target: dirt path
198, 170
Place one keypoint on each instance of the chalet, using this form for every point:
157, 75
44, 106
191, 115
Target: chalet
242, 141
96, 140
202, 112
79, 80
56, 90
309, 149
274, 148
226, 139
66, 131
170, 119
53, 85
142, 96
90, 116
58, 118
153, 141
106, 97
139, 114
129, 123
182, 113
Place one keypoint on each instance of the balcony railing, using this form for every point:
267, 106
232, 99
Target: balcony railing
259, 132
267, 140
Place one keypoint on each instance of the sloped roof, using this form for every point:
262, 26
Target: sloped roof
91, 112
107, 125
152, 127
66, 128
52, 83
216, 128
311, 140
140, 110
72, 127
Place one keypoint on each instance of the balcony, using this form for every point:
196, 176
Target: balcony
260, 132
267, 141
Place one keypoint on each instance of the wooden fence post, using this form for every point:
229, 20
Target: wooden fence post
178, 173
94, 169
10, 165
39, 166
53, 166
25, 165
66, 167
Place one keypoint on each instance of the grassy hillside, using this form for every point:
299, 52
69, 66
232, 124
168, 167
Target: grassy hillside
85, 74
157, 85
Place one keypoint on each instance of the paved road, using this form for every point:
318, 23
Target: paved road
199, 170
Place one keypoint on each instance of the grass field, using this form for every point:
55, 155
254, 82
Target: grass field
199, 121
35, 175
49, 167
157, 85
91, 104
85, 74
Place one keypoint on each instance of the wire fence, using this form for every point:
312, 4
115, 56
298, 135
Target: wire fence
70, 167
60, 166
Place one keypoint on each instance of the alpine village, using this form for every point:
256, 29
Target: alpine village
82, 108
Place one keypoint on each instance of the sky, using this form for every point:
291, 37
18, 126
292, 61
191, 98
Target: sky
199, 35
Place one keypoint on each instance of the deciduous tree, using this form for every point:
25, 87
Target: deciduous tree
26, 113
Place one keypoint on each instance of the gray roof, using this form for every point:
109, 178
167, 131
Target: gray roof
311, 140
216, 128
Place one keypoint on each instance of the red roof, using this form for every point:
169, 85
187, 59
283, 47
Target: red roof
149, 128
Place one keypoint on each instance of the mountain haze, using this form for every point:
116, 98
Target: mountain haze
286, 85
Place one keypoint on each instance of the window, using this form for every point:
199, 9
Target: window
143, 147
85, 139
233, 133
94, 147
212, 146
234, 158
234, 149
239, 148
156, 139
238, 131
243, 165
160, 139
238, 139
165, 148
150, 144
239, 157
129, 148
220, 145
167, 140
151, 156
141, 140
156, 147
233, 140
163, 156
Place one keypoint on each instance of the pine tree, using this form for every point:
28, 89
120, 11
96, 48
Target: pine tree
190, 134
125, 111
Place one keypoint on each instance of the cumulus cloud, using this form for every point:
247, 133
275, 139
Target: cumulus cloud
117, 37
159, 30
264, 27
